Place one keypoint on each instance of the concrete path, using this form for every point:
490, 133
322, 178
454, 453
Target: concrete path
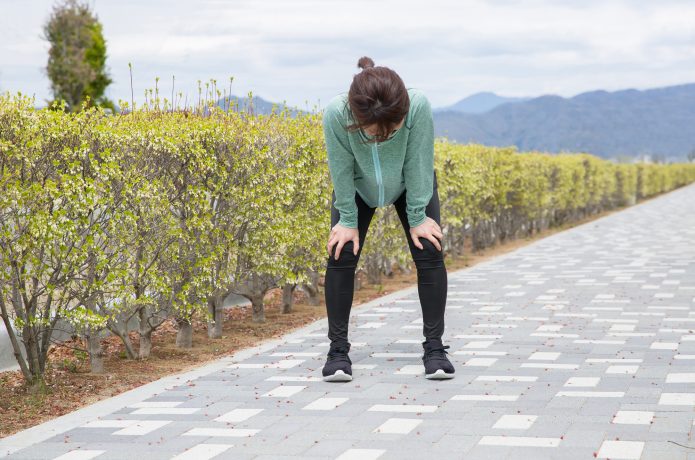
577, 346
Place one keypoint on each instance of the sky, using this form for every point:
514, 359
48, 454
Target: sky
306, 51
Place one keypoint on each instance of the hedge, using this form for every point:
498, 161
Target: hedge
159, 214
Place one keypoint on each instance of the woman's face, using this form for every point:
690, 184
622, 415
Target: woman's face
371, 129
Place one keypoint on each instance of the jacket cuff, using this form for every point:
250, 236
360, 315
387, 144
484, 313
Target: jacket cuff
349, 223
416, 219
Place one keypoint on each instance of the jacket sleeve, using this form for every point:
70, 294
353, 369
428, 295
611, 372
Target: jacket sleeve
341, 164
418, 165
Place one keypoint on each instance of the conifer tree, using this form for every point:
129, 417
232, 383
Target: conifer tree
77, 56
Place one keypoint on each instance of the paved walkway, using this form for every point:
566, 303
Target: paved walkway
579, 345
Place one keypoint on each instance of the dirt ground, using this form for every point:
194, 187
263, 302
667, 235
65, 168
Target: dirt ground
71, 385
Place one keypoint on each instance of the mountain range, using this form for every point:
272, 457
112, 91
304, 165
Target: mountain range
657, 123
479, 103
258, 105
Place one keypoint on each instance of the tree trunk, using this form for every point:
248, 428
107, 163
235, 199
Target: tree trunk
312, 290
16, 346
288, 297
258, 308
455, 241
373, 264
31, 346
215, 318
184, 336
404, 268
145, 344
122, 333
37, 385
388, 266
96, 352
358, 281
94, 348
129, 349
145, 334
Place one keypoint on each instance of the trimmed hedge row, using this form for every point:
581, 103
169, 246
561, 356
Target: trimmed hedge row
516, 194
152, 215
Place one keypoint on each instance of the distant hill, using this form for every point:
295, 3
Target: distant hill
657, 121
480, 103
259, 105
632, 123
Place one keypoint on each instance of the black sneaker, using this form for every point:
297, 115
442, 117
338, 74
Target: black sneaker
338, 367
437, 365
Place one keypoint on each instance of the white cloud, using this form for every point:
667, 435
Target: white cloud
307, 49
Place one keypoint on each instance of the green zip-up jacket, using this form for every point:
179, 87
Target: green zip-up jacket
381, 171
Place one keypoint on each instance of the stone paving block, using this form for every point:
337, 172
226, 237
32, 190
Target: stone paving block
580, 435
573, 329
327, 449
488, 452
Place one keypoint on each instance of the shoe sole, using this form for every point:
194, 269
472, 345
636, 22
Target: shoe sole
338, 376
439, 375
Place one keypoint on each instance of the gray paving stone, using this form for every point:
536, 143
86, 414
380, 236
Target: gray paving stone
562, 296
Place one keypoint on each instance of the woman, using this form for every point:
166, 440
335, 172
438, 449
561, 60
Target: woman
380, 144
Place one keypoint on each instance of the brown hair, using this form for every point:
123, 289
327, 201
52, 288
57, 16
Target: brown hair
377, 96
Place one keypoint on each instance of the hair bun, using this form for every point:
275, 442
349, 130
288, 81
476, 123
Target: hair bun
365, 62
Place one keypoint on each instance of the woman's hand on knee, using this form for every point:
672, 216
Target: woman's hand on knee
430, 230
339, 236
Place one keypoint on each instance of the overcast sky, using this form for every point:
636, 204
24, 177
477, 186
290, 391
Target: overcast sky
305, 51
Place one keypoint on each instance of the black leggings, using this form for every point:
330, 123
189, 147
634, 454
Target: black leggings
431, 271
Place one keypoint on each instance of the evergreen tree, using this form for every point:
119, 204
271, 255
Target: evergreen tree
77, 56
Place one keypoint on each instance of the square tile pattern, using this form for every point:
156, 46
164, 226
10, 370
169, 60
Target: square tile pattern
580, 345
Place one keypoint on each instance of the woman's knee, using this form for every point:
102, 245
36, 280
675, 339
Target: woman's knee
429, 256
346, 259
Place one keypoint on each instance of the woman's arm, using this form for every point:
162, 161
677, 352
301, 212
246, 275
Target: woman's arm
418, 166
341, 164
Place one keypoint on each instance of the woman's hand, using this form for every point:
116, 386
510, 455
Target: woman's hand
340, 235
428, 229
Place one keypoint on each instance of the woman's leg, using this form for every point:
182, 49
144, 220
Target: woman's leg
431, 272
340, 274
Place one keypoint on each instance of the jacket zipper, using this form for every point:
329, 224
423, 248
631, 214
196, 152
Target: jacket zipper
379, 180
